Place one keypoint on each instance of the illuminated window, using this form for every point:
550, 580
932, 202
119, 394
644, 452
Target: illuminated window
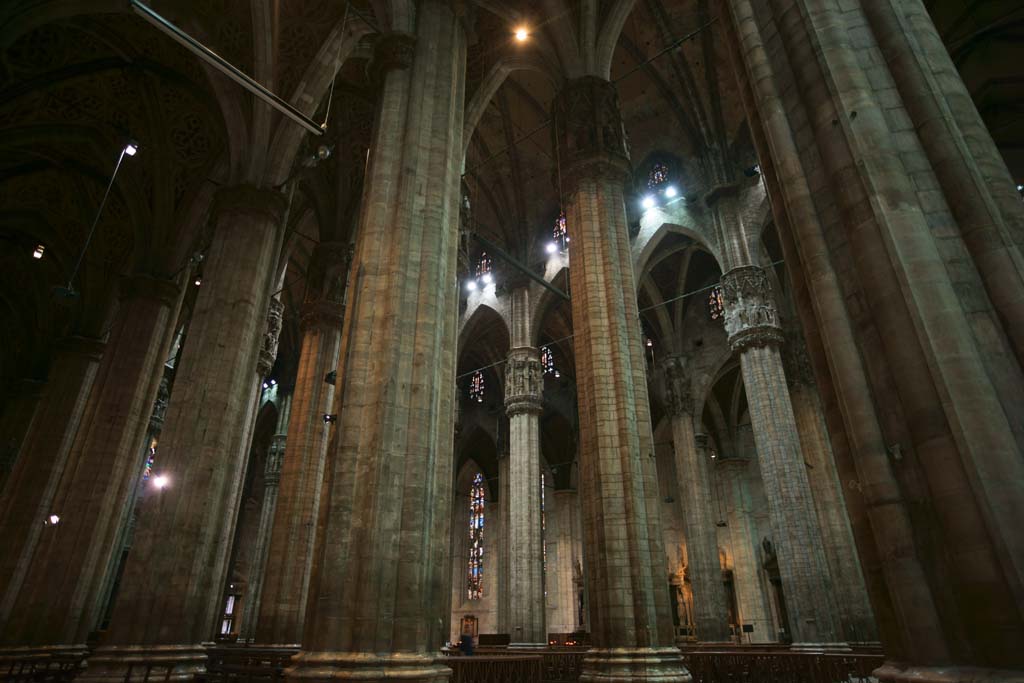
547, 361
150, 459
227, 622
476, 387
483, 266
716, 305
560, 233
474, 583
658, 176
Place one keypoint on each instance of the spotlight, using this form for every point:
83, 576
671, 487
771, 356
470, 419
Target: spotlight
552, 247
671, 191
37, 253
648, 202
198, 281
161, 481
52, 520
273, 382
266, 386
131, 148
1020, 188
330, 417
488, 279
522, 34
471, 285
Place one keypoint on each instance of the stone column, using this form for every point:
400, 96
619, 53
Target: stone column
569, 556
630, 619
28, 498
751, 596
377, 595
100, 474
504, 581
17, 419
169, 597
524, 388
693, 480
271, 479
290, 558
856, 620
751, 321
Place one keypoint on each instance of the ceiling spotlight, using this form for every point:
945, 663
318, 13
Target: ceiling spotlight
131, 148
273, 382
488, 279
471, 285
266, 386
648, 202
671, 191
161, 481
37, 253
552, 247
330, 417
52, 520
198, 281
522, 34
1020, 188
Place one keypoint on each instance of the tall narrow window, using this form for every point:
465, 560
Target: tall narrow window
716, 306
476, 387
227, 622
474, 583
547, 361
560, 233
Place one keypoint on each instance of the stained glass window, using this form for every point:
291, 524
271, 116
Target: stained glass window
483, 266
716, 305
547, 361
474, 583
150, 459
658, 176
560, 233
476, 387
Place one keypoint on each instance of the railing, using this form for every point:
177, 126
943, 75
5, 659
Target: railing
242, 664
780, 667
40, 667
497, 669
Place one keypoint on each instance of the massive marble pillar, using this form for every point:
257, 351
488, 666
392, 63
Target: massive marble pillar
751, 321
290, 557
271, 480
97, 481
170, 592
856, 621
693, 482
901, 224
17, 419
629, 603
524, 388
377, 596
504, 575
751, 593
28, 498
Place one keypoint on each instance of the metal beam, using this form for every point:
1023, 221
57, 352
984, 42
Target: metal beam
514, 262
224, 66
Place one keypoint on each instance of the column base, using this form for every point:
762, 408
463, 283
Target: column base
627, 664
359, 666
126, 663
894, 672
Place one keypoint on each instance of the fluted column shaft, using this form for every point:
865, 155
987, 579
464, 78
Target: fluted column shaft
695, 493
290, 558
630, 618
102, 469
271, 481
378, 589
751, 322
28, 497
751, 597
524, 385
504, 574
171, 589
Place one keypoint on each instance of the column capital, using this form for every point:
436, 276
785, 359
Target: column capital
322, 314
676, 386
751, 318
393, 50
588, 131
731, 466
143, 286
524, 381
250, 199
268, 352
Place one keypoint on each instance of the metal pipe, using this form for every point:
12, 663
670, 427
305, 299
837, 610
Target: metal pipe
519, 266
225, 67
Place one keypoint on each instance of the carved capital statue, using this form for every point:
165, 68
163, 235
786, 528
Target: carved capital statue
676, 383
524, 381
751, 318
